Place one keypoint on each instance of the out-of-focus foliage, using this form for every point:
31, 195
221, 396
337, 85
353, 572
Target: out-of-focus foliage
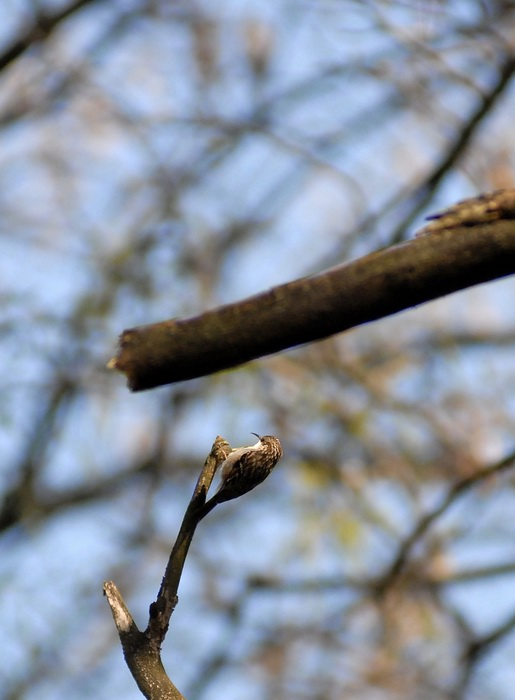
161, 157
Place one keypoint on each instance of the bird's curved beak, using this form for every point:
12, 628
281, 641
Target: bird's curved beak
258, 436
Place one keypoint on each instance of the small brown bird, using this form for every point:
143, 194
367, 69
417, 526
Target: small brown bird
243, 469
475, 211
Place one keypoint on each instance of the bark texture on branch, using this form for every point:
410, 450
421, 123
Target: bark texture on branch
142, 650
312, 308
142, 656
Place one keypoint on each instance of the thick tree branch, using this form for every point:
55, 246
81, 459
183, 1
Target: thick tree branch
309, 309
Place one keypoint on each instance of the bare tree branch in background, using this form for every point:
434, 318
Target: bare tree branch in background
40, 29
424, 193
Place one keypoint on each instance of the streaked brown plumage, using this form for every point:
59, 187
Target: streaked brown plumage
245, 468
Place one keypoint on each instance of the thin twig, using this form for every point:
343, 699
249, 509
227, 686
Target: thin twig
142, 650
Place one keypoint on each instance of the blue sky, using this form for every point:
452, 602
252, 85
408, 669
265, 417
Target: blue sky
124, 181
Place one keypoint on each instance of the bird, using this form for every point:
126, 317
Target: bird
475, 211
243, 469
